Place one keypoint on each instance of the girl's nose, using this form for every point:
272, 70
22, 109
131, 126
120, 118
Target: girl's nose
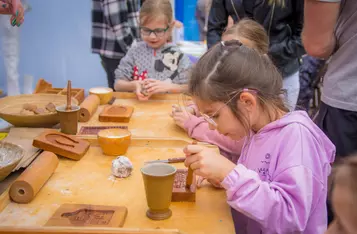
152, 35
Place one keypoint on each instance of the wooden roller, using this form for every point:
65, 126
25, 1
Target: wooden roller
25, 188
88, 107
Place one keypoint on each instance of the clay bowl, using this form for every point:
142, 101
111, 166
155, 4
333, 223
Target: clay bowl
115, 141
10, 156
104, 94
10, 108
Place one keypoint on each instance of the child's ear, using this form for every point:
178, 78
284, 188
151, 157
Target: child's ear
247, 100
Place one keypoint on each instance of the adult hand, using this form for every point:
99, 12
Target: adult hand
180, 117
138, 91
14, 8
207, 163
157, 86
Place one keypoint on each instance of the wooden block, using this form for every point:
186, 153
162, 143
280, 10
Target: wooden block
88, 216
179, 191
116, 113
61, 144
93, 130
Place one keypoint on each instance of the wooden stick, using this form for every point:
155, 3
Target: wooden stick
189, 177
69, 96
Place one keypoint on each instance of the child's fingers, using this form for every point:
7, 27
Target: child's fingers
193, 149
15, 7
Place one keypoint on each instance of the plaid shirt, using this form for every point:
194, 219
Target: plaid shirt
115, 26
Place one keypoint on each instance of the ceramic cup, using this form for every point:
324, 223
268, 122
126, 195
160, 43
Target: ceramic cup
158, 182
68, 119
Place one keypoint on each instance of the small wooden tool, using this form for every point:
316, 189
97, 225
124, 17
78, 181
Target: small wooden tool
61, 144
88, 216
69, 104
189, 178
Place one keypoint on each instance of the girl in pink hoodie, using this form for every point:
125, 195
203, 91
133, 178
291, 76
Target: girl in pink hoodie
280, 182
252, 35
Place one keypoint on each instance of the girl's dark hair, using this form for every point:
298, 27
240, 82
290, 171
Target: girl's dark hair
227, 68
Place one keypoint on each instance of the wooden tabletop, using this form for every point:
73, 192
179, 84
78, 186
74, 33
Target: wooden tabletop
89, 181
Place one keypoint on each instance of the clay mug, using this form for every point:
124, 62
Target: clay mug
158, 182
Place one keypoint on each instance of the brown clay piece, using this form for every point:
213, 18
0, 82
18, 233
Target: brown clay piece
116, 113
51, 107
61, 144
29, 107
181, 193
39, 111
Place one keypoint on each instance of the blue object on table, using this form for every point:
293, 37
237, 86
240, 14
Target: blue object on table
185, 12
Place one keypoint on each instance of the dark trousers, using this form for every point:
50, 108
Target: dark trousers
340, 126
110, 65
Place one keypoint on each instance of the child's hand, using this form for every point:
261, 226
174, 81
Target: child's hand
200, 180
207, 163
180, 117
157, 86
138, 91
14, 8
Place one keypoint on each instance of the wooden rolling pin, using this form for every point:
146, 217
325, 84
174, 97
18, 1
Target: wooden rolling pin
88, 108
25, 188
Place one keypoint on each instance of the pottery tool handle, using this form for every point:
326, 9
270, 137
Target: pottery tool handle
69, 96
176, 160
88, 108
25, 188
189, 178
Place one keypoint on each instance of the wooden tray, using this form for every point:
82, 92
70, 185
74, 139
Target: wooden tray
116, 113
88, 215
83, 230
61, 144
43, 86
89, 181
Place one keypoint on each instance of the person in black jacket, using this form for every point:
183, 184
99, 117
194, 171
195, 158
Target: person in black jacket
283, 23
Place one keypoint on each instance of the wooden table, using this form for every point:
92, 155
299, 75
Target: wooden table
89, 181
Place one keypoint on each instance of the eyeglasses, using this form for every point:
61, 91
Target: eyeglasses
210, 120
158, 32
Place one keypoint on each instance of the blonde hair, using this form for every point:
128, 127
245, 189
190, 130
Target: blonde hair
156, 8
252, 31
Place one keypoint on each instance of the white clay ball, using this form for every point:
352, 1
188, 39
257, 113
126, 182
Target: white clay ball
122, 167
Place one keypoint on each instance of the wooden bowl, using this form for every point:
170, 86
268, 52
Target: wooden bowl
10, 156
11, 106
115, 141
104, 94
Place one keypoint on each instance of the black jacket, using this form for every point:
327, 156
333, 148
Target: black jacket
283, 25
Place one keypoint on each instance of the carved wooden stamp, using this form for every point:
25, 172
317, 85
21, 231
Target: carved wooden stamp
180, 192
88, 215
93, 130
116, 113
61, 144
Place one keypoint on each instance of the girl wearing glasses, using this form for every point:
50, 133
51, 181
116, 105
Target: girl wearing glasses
279, 184
252, 35
153, 65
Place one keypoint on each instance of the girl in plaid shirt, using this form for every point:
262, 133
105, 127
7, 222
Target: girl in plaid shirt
153, 65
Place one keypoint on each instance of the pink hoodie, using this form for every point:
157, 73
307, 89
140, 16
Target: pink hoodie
280, 182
